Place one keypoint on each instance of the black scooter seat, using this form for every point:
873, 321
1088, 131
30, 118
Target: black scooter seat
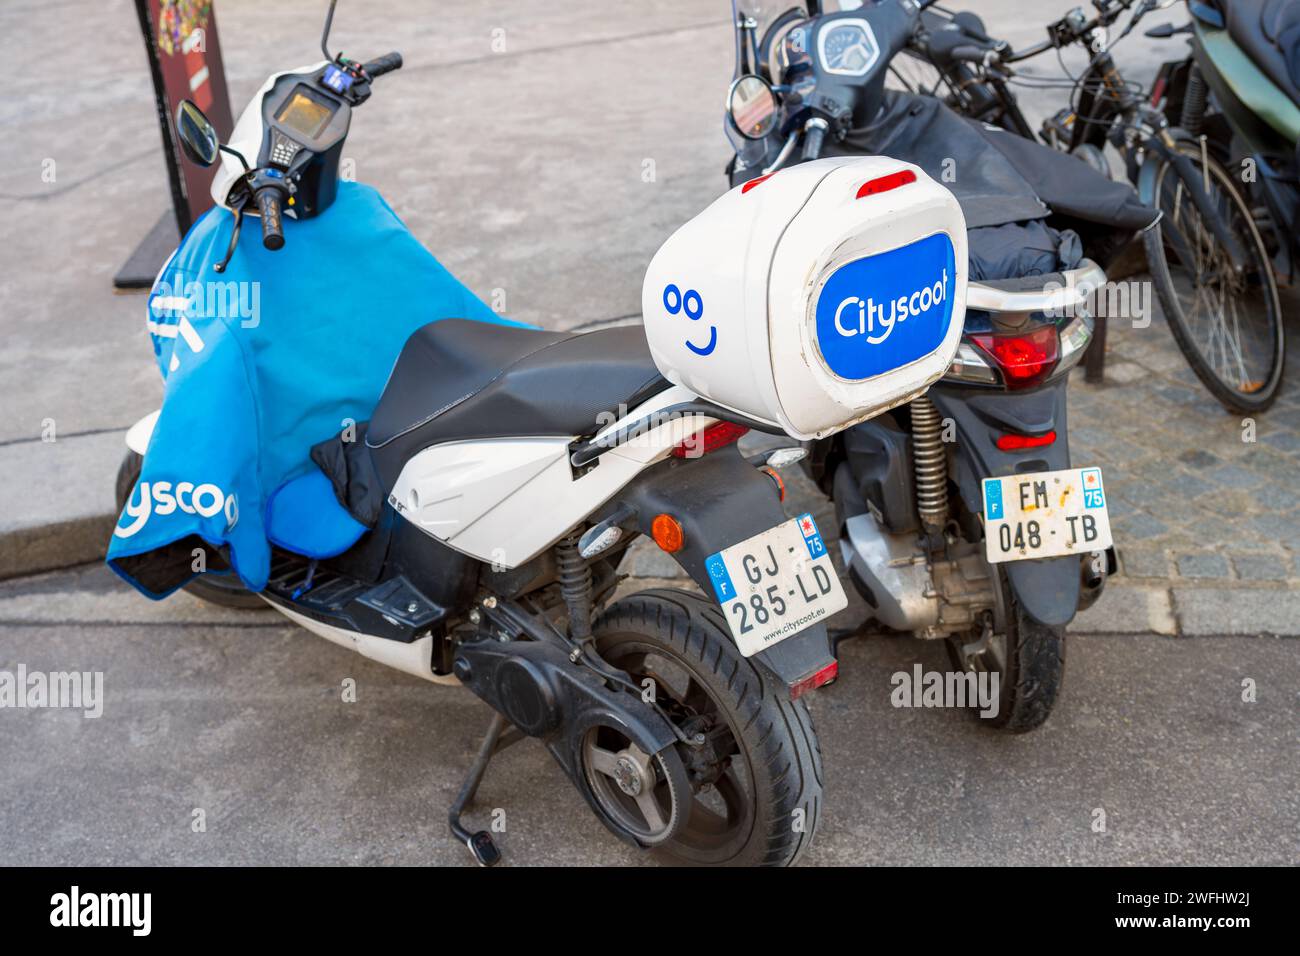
459, 380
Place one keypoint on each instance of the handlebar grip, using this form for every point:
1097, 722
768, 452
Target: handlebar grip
385, 64
812, 142
967, 52
268, 205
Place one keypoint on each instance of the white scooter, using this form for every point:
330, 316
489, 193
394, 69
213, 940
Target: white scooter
517, 466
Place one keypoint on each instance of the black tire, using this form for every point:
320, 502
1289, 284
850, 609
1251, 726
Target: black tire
1030, 659
1253, 292
775, 745
223, 589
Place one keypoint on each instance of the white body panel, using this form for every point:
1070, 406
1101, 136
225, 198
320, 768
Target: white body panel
414, 658
138, 435
506, 500
732, 299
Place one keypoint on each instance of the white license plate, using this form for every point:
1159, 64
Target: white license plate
1045, 515
775, 584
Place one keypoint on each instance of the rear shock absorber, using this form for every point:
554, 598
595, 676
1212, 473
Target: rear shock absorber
931, 462
1193, 113
575, 586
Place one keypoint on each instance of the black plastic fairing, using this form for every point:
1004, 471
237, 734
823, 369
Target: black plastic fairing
721, 500
1048, 588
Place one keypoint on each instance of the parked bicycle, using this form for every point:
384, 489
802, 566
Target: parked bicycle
1210, 264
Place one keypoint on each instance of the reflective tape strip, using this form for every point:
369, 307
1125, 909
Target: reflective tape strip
190, 336
168, 303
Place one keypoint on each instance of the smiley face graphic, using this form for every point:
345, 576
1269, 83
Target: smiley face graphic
676, 301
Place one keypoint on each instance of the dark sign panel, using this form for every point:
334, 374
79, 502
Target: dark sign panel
185, 58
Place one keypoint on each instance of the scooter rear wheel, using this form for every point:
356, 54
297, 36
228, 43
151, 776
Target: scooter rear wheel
756, 783
1029, 659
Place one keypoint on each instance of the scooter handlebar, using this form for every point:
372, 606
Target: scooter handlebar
968, 53
384, 64
268, 206
814, 134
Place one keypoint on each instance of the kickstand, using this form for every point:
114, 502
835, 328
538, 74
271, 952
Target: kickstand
481, 843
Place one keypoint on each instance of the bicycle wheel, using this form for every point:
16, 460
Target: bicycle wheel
1227, 323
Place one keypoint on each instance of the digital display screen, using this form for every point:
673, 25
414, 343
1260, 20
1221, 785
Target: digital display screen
336, 79
304, 115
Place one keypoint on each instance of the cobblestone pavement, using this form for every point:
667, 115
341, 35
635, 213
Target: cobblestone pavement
1197, 494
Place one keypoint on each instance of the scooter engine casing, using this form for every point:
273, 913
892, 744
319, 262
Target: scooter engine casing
814, 298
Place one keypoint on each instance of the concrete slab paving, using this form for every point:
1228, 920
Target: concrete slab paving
246, 722
1223, 611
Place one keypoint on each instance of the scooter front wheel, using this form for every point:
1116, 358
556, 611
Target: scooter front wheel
755, 776
225, 590
1028, 657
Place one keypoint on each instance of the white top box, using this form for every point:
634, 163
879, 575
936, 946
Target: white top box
814, 298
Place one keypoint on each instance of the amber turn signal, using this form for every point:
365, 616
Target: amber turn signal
668, 534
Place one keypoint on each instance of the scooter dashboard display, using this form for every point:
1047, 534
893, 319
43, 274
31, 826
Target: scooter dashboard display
305, 126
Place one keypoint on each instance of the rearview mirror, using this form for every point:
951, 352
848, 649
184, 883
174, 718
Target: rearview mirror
751, 106
199, 140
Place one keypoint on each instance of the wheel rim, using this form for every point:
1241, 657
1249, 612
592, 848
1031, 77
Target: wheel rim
641, 793
1232, 319
719, 813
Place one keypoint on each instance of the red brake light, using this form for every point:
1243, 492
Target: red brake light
711, 439
754, 182
815, 680
1157, 91
1021, 442
883, 184
1024, 359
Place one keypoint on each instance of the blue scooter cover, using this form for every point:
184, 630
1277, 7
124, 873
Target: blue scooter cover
283, 350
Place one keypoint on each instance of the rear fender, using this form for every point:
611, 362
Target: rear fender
720, 500
1047, 589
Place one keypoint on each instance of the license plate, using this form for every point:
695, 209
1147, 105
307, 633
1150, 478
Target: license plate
775, 584
1045, 515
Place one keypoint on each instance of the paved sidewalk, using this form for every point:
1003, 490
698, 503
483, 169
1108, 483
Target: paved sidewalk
240, 714
556, 200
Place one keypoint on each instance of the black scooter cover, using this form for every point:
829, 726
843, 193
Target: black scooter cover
999, 178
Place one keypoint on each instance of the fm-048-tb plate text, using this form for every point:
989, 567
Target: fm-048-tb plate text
1046, 514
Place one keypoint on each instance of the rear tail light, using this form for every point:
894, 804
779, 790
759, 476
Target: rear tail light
970, 365
1025, 359
1075, 339
1158, 90
1021, 442
883, 184
710, 439
815, 680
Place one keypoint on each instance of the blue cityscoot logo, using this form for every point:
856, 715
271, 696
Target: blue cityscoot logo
885, 311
